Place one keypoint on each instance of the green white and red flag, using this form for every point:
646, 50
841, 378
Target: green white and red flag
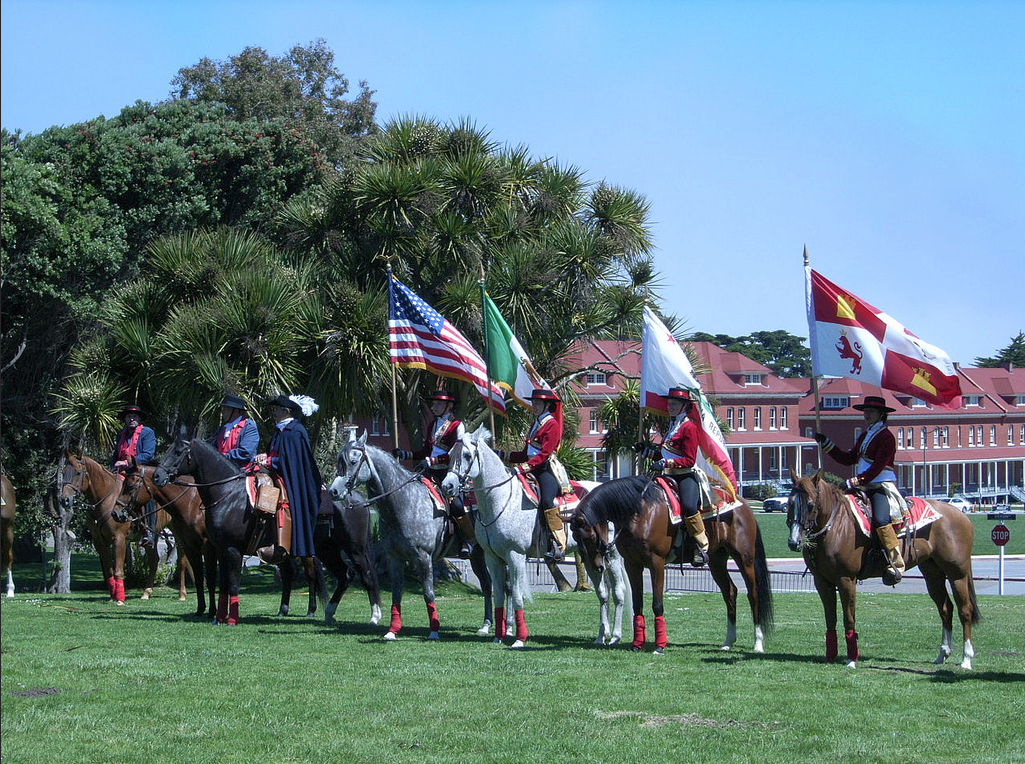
850, 338
508, 364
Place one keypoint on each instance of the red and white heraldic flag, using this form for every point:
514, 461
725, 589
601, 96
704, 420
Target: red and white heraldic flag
850, 338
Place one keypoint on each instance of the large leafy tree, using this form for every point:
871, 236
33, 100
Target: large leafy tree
786, 354
1014, 354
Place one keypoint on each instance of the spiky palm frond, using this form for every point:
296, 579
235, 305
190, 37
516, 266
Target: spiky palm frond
88, 410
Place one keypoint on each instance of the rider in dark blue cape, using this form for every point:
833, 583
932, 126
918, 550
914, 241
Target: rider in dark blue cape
290, 456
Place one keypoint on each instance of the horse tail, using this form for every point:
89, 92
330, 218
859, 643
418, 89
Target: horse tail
763, 585
320, 582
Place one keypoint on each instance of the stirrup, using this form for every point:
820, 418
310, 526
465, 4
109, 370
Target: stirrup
272, 555
699, 558
891, 576
555, 553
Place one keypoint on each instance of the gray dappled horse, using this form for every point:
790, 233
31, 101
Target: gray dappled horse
506, 527
413, 529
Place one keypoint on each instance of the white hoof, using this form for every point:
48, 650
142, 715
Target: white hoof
726, 648
10, 593
759, 648
614, 641
966, 664
434, 636
517, 645
852, 664
600, 641
484, 631
389, 636
942, 657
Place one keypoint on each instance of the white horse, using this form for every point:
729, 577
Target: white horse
506, 528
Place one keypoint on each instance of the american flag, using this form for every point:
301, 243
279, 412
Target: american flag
421, 338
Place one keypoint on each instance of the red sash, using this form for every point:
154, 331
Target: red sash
229, 442
127, 448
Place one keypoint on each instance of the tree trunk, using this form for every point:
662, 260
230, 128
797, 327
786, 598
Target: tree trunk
60, 575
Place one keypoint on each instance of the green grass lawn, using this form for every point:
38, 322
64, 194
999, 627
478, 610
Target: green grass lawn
85, 681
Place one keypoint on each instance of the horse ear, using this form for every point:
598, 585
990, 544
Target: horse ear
362, 438
793, 476
484, 434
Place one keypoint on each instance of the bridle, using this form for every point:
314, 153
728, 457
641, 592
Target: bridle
76, 485
351, 478
466, 482
173, 473
802, 503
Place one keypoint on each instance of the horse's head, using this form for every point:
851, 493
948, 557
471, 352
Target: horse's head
804, 509
177, 461
465, 461
352, 467
136, 490
592, 537
74, 479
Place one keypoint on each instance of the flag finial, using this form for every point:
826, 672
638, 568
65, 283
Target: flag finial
805, 255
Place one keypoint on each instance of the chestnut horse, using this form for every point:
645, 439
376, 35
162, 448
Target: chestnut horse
839, 555
84, 478
637, 506
188, 521
7, 528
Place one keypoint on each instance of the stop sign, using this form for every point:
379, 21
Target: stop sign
1001, 535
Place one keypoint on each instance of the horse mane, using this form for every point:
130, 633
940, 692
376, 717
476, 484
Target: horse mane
618, 500
210, 451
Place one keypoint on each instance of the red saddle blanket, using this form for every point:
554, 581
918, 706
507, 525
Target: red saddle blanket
721, 506
566, 503
440, 505
919, 513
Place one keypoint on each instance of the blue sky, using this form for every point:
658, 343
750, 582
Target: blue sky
887, 137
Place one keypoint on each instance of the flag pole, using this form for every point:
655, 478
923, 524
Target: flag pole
487, 354
394, 378
814, 379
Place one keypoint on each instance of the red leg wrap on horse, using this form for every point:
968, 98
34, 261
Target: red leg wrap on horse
222, 608
112, 586
432, 616
119, 590
661, 638
233, 610
852, 644
396, 620
831, 649
640, 632
521, 626
499, 623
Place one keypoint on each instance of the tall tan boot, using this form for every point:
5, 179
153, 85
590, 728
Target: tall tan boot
696, 528
558, 532
888, 538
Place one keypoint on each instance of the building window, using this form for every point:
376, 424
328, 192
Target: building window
758, 417
945, 437
1010, 434
857, 433
900, 438
1021, 400
836, 401
935, 437
729, 417
978, 435
597, 378
783, 418
379, 426
772, 417
971, 437
992, 434
594, 420
922, 438
753, 379
917, 403
1021, 436
971, 400
741, 418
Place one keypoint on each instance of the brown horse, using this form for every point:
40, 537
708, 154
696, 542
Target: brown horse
838, 555
100, 489
7, 529
188, 522
636, 506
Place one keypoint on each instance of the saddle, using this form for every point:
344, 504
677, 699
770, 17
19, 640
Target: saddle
566, 501
918, 514
719, 504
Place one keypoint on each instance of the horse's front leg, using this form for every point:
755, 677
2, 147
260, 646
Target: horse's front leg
658, 584
287, 572
717, 567
396, 572
315, 578
152, 562
848, 594
120, 548
426, 569
517, 567
498, 574
635, 574
600, 584
827, 593
103, 540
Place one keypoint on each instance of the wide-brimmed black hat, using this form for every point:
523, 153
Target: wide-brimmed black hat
234, 402
543, 394
874, 402
133, 410
679, 394
285, 402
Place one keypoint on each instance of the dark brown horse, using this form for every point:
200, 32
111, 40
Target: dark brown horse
188, 522
839, 555
84, 478
637, 508
7, 531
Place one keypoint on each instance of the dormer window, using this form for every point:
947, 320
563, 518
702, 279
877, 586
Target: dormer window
971, 400
835, 402
753, 379
597, 378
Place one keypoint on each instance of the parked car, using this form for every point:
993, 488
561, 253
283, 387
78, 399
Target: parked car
960, 503
775, 504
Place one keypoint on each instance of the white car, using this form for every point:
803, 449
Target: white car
775, 504
961, 503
